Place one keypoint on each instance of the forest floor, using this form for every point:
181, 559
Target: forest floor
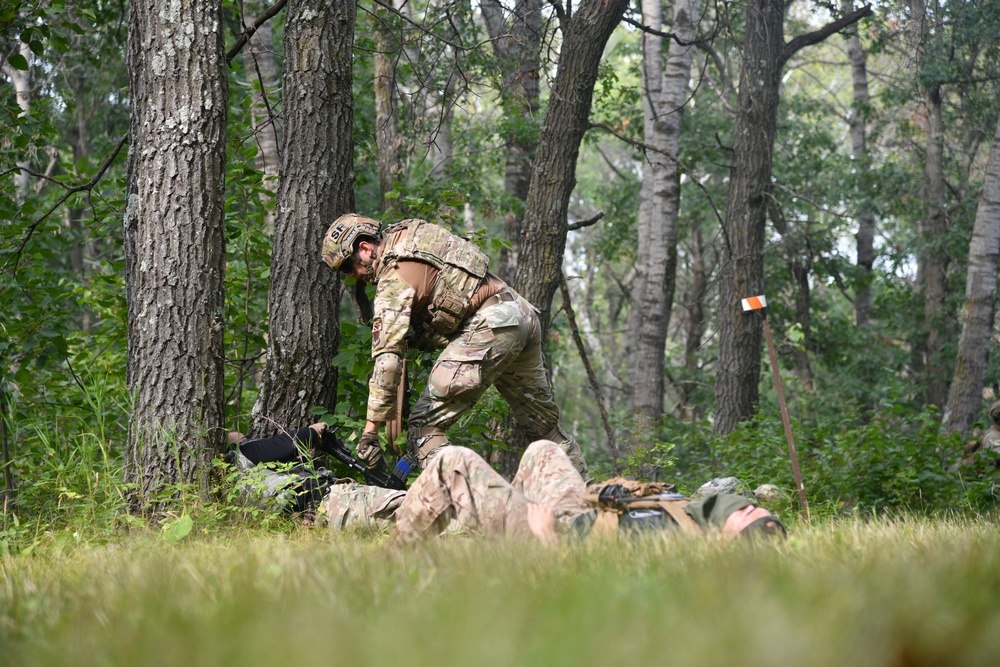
908, 591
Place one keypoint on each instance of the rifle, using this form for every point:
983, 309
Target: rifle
380, 476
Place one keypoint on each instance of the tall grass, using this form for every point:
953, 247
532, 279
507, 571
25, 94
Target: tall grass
907, 591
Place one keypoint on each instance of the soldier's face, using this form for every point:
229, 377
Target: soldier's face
361, 263
742, 518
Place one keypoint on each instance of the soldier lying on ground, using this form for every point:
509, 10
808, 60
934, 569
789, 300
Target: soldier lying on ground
460, 487
284, 473
434, 290
548, 494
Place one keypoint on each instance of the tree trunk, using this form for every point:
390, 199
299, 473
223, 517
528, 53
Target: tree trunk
763, 55
21, 81
798, 258
262, 72
933, 258
542, 240
388, 140
742, 275
175, 246
518, 45
966, 395
543, 235
694, 323
81, 250
317, 181
937, 322
440, 145
859, 149
665, 94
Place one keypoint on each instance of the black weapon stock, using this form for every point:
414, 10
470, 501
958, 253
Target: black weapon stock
380, 476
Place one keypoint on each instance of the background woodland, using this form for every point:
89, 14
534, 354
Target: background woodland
167, 170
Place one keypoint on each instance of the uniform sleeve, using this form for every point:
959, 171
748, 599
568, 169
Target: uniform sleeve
393, 310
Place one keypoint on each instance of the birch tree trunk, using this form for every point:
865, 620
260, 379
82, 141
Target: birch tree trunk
262, 71
665, 93
21, 79
317, 186
175, 246
966, 395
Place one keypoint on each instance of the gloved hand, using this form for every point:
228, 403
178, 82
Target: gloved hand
368, 450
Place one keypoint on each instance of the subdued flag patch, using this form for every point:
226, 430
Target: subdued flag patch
754, 303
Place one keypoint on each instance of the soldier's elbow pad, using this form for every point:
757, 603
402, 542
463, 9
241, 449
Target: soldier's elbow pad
387, 370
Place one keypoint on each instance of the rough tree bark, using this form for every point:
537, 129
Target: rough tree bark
763, 56
175, 245
317, 185
665, 92
966, 395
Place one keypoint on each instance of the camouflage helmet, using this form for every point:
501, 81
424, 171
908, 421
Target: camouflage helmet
338, 243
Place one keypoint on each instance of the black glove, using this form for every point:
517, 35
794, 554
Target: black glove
369, 451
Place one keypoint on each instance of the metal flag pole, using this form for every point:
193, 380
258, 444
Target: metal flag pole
760, 303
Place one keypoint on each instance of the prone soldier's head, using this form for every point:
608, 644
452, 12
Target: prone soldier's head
344, 236
995, 413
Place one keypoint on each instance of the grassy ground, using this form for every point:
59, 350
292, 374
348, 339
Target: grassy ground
907, 592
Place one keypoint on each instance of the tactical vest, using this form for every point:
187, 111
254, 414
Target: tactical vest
625, 504
461, 268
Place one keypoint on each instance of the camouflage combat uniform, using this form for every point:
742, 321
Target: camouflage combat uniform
459, 486
433, 288
348, 503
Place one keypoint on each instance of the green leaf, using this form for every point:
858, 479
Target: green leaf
17, 61
73, 27
59, 43
178, 528
37, 47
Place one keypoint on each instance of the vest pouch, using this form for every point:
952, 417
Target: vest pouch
447, 312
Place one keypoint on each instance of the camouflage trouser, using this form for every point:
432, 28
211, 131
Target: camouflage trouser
351, 504
499, 345
458, 485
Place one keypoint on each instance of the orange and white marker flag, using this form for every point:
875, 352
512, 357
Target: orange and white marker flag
755, 303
